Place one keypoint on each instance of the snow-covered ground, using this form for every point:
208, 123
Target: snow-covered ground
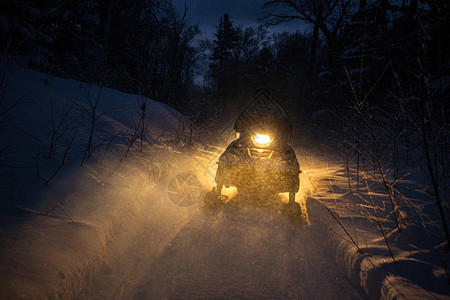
384, 262
113, 226
57, 216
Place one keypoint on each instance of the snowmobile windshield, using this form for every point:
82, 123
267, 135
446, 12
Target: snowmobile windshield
265, 113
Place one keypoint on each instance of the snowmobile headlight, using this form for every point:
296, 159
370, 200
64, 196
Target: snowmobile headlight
261, 140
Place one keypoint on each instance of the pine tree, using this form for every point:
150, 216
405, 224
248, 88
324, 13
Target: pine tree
226, 39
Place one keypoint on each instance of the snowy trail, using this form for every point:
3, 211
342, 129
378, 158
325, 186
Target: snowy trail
110, 229
250, 253
243, 252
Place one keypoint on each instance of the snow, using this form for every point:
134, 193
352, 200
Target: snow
54, 236
108, 229
417, 272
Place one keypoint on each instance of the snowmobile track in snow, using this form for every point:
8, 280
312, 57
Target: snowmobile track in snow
244, 252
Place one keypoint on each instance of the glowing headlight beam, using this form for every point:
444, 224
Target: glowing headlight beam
262, 140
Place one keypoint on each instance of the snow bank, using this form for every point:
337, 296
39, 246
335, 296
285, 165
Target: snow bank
417, 272
54, 236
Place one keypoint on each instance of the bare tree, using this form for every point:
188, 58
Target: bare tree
8, 109
326, 16
63, 162
60, 123
93, 118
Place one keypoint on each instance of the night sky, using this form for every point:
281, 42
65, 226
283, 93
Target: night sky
242, 12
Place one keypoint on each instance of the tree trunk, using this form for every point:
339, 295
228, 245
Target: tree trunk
384, 7
314, 41
106, 33
362, 4
411, 13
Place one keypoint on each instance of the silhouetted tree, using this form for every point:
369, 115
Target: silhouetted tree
222, 68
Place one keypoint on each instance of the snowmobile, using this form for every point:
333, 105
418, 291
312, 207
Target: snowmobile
260, 160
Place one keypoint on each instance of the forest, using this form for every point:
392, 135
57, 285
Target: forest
360, 63
379, 53
365, 80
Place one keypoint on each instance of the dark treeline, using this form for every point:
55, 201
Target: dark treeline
375, 51
139, 46
371, 50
